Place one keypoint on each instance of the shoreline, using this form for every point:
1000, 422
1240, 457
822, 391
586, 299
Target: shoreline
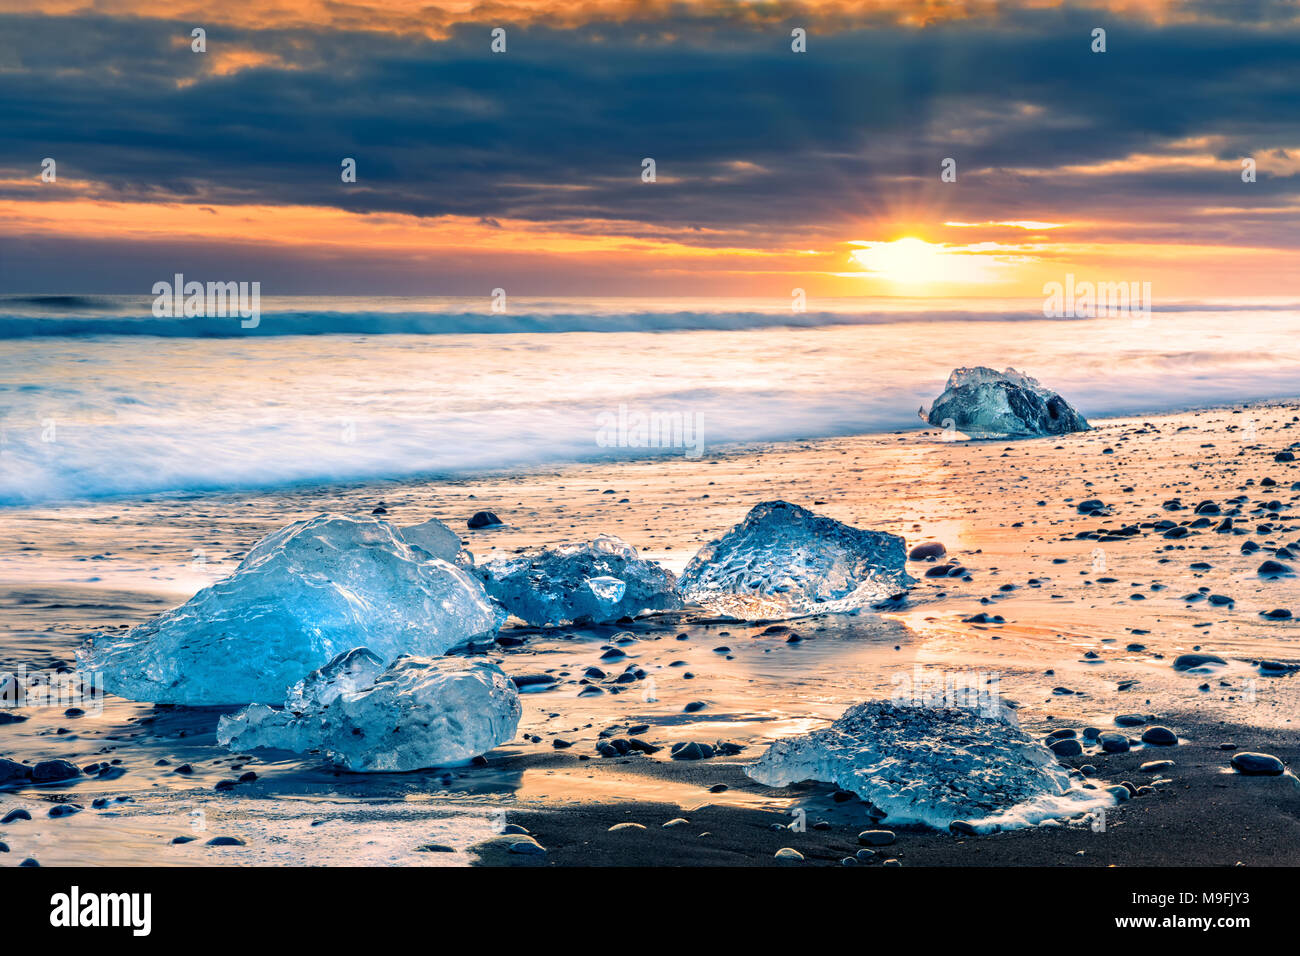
723, 451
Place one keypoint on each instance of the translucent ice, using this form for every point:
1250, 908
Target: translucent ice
603, 581
785, 561
438, 540
931, 765
301, 596
984, 403
351, 671
417, 712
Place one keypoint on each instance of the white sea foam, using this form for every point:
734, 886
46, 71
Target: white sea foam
85, 414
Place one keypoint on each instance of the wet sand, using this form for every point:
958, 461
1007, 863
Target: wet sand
1092, 618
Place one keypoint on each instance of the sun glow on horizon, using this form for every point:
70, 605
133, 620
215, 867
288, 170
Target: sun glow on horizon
913, 262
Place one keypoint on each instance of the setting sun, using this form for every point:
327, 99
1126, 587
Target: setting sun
914, 262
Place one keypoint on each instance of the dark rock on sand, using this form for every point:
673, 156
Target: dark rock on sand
1160, 737
1274, 569
1066, 747
1257, 765
225, 841
1113, 743
50, 771
11, 771
876, 837
1185, 662
931, 549
13, 816
483, 519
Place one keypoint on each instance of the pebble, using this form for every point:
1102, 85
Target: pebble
65, 810
1257, 765
528, 847
1185, 662
15, 815
1160, 737
225, 841
617, 827
788, 855
483, 519
876, 837
49, 771
1114, 743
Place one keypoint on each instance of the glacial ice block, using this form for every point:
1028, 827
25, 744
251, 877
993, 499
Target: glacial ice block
301, 595
931, 765
784, 561
984, 403
417, 712
600, 582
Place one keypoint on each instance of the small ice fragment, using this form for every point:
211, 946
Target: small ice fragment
600, 582
917, 763
785, 561
418, 712
301, 595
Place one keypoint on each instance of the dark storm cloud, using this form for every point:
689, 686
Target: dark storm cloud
745, 134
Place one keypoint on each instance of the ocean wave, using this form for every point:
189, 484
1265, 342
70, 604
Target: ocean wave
461, 323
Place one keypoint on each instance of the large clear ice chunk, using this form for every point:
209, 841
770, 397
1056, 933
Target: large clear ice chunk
301, 596
784, 561
984, 403
600, 582
417, 712
932, 765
